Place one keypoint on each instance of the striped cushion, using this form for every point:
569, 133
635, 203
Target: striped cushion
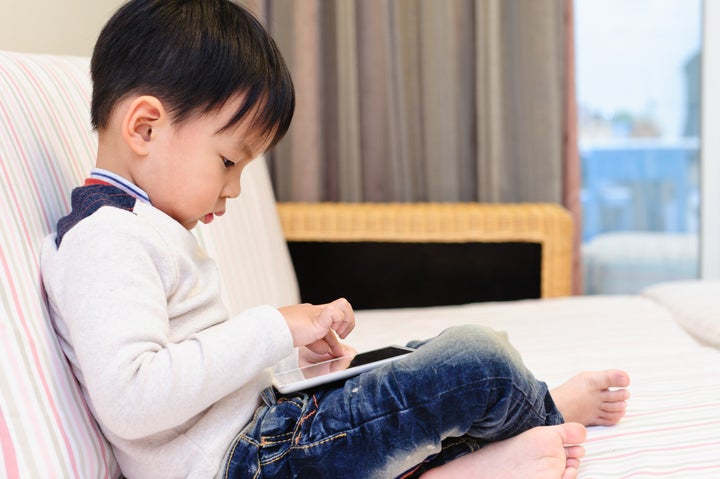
46, 148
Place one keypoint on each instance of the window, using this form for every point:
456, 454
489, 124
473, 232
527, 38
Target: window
638, 82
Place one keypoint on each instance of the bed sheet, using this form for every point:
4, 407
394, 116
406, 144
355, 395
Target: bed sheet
672, 428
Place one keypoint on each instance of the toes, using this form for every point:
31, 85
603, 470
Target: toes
610, 378
609, 418
618, 406
574, 463
572, 432
574, 452
617, 395
618, 378
570, 473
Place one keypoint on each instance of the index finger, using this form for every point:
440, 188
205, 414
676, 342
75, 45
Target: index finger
347, 322
334, 344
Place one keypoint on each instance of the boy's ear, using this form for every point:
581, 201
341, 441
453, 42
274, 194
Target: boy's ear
143, 117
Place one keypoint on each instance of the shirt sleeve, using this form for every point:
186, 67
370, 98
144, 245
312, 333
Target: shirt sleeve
142, 376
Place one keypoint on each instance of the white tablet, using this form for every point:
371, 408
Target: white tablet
336, 369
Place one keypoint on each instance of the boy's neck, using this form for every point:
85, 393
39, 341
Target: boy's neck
112, 156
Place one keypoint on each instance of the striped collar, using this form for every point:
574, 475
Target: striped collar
98, 175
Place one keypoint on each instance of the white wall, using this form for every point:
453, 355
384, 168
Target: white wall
710, 148
68, 27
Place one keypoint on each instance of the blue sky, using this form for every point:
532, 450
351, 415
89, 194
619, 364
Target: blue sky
630, 56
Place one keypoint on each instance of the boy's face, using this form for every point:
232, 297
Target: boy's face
195, 169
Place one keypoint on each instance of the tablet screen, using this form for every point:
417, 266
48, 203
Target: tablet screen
335, 369
377, 355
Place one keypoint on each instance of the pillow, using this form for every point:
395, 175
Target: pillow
695, 306
46, 148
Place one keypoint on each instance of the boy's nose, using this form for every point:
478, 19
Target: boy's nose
232, 189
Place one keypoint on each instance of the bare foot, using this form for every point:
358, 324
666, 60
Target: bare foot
548, 452
592, 398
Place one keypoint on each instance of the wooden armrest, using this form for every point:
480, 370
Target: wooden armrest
550, 225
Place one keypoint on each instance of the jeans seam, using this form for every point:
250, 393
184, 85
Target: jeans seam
274, 440
232, 453
334, 437
304, 447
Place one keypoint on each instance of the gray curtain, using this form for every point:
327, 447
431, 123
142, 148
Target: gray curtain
422, 100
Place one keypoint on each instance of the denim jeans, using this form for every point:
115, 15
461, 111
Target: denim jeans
459, 391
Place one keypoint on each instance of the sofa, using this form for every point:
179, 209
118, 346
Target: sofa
666, 337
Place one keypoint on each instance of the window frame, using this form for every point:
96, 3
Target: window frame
710, 144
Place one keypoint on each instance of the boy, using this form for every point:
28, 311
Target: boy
185, 94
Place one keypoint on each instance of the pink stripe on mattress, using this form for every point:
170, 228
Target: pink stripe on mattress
8, 450
656, 412
651, 431
637, 452
671, 473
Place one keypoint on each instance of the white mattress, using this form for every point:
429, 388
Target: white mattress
672, 428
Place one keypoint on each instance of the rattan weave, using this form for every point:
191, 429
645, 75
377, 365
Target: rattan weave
547, 224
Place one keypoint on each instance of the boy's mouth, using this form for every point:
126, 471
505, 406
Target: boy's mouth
208, 218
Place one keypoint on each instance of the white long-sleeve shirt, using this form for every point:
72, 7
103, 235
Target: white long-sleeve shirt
169, 376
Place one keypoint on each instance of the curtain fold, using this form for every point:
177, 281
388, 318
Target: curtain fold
421, 100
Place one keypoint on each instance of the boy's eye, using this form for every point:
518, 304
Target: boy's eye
228, 163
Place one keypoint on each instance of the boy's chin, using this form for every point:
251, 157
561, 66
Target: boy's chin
190, 224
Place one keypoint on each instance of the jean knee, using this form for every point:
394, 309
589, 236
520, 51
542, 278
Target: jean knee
477, 338
484, 347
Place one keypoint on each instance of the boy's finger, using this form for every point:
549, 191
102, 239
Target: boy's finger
336, 347
343, 329
344, 317
320, 349
325, 318
344, 306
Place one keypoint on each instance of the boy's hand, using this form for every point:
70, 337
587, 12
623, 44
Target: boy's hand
315, 326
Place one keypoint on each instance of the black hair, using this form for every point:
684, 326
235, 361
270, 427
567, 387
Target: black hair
193, 55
